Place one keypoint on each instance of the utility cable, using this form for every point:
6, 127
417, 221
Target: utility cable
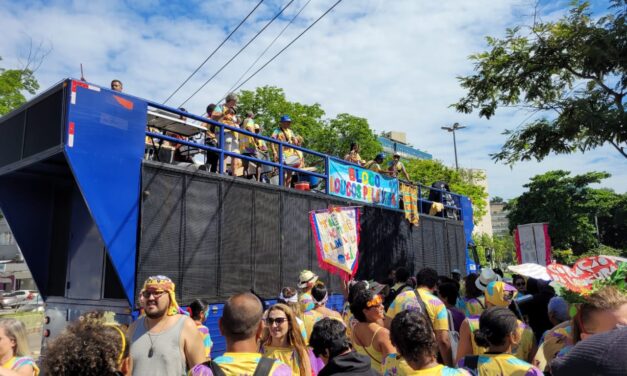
214, 51
264, 51
238, 52
286, 47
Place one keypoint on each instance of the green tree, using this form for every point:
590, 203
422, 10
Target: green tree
13, 84
568, 204
571, 71
497, 200
463, 181
501, 249
331, 137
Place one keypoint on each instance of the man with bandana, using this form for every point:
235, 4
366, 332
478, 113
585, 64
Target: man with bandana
164, 342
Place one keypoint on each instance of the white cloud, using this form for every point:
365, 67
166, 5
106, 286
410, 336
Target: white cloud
393, 62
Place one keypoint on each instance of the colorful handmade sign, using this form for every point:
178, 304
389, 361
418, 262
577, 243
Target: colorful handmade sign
336, 231
409, 194
582, 275
360, 184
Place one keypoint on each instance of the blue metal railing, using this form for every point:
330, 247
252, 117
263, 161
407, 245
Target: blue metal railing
280, 165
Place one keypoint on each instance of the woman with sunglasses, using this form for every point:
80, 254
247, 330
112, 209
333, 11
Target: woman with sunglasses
368, 336
285, 342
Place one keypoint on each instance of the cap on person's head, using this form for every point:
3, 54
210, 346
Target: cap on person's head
456, 271
500, 293
257, 126
375, 287
306, 277
487, 275
396, 155
600, 354
380, 156
286, 119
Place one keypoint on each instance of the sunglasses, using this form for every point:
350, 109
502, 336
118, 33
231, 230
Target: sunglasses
375, 302
279, 320
156, 294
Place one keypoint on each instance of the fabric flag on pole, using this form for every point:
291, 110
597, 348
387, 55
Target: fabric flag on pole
336, 231
409, 195
533, 244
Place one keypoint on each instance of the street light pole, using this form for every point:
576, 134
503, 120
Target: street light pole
455, 127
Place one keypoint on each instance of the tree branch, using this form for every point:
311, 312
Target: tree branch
620, 149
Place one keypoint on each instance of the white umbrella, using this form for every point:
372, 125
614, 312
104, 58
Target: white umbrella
531, 270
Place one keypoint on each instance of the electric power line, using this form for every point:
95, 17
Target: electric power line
214, 51
264, 51
238, 52
289, 44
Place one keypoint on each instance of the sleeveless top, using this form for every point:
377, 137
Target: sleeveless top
17, 362
376, 358
167, 358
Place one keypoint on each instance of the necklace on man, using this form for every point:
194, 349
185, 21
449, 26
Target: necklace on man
151, 351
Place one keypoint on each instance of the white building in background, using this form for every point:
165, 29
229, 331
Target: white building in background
500, 223
484, 225
14, 273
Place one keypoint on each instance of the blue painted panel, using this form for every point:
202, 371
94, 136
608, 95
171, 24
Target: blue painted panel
104, 146
466, 206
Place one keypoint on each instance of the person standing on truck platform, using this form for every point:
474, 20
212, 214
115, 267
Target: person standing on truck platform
163, 341
116, 85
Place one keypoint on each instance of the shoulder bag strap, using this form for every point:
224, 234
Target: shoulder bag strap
264, 367
423, 307
215, 368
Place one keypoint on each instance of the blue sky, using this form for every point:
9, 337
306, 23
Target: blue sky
392, 62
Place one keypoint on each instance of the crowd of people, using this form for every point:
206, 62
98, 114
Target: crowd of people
246, 145
422, 325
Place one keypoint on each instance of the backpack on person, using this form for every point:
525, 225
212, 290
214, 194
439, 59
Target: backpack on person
453, 335
263, 367
389, 299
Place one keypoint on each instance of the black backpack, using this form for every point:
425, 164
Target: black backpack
263, 367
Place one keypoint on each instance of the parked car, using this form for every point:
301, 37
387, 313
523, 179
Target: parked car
16, 298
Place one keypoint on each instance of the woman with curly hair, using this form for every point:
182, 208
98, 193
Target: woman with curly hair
415, 342
88, 347
14, 353
368, 336
285, 341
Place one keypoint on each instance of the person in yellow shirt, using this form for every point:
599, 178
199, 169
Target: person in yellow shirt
416, 349
427, 279
498, 332
285, 341
375, 164
497, 294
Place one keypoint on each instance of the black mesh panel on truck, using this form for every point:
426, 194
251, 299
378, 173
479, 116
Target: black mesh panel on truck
216, 236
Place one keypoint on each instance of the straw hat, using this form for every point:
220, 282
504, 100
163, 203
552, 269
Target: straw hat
306, 277
487, 275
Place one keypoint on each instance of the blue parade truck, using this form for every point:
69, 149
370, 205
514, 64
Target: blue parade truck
94, 212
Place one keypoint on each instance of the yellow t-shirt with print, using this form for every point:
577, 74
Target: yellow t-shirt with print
407, 301
286, 355
244, 364
394, 365
522, 351
503, 364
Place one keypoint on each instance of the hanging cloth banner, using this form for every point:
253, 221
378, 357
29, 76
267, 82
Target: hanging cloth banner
409, 195
533, 244
361, 184
336, 231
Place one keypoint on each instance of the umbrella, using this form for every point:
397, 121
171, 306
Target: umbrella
531, 270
